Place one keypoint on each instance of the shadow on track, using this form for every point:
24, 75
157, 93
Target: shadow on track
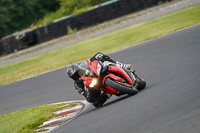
117, 100
92, 108
109, 103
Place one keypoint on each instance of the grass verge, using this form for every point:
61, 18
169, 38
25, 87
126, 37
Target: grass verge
106, 43
26, 121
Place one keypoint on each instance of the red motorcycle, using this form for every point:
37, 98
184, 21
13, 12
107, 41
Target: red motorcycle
112, 79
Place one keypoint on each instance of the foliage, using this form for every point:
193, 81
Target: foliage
19, 14
67, 7
160, 2
70, 30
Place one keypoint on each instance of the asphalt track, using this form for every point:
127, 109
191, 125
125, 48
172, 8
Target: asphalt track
170, 104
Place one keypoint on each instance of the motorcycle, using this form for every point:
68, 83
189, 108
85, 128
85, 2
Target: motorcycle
112, 79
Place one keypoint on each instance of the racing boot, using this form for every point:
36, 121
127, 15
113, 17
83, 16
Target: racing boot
127, 66
124, 66
133, 71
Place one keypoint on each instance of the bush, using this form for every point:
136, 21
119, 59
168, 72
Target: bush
67, 7
19, 14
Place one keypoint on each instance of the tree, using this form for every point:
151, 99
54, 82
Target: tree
19, 14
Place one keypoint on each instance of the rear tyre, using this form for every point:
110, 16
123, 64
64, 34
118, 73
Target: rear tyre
120, 87
141, 84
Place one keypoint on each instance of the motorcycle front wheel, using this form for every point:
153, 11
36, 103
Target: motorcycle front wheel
121, 87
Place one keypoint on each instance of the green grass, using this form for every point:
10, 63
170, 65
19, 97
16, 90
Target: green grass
26, 121
106, 43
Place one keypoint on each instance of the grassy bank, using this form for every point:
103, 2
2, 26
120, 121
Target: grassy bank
106, 43
26, 121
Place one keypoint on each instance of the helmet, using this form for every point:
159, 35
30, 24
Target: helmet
72, 72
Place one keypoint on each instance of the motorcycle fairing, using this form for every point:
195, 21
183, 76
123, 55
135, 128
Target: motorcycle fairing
87, 80
119, 70
94, 66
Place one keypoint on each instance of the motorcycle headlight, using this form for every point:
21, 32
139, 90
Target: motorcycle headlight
94, 81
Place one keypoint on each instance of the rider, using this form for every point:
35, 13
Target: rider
74, 71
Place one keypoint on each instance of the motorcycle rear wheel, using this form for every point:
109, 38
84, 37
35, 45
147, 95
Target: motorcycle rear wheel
120, 87
141, 85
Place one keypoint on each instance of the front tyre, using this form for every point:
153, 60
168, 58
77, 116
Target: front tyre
127, 89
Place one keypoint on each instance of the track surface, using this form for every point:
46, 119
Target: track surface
170, 103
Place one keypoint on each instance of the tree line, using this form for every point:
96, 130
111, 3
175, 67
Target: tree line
16, 15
